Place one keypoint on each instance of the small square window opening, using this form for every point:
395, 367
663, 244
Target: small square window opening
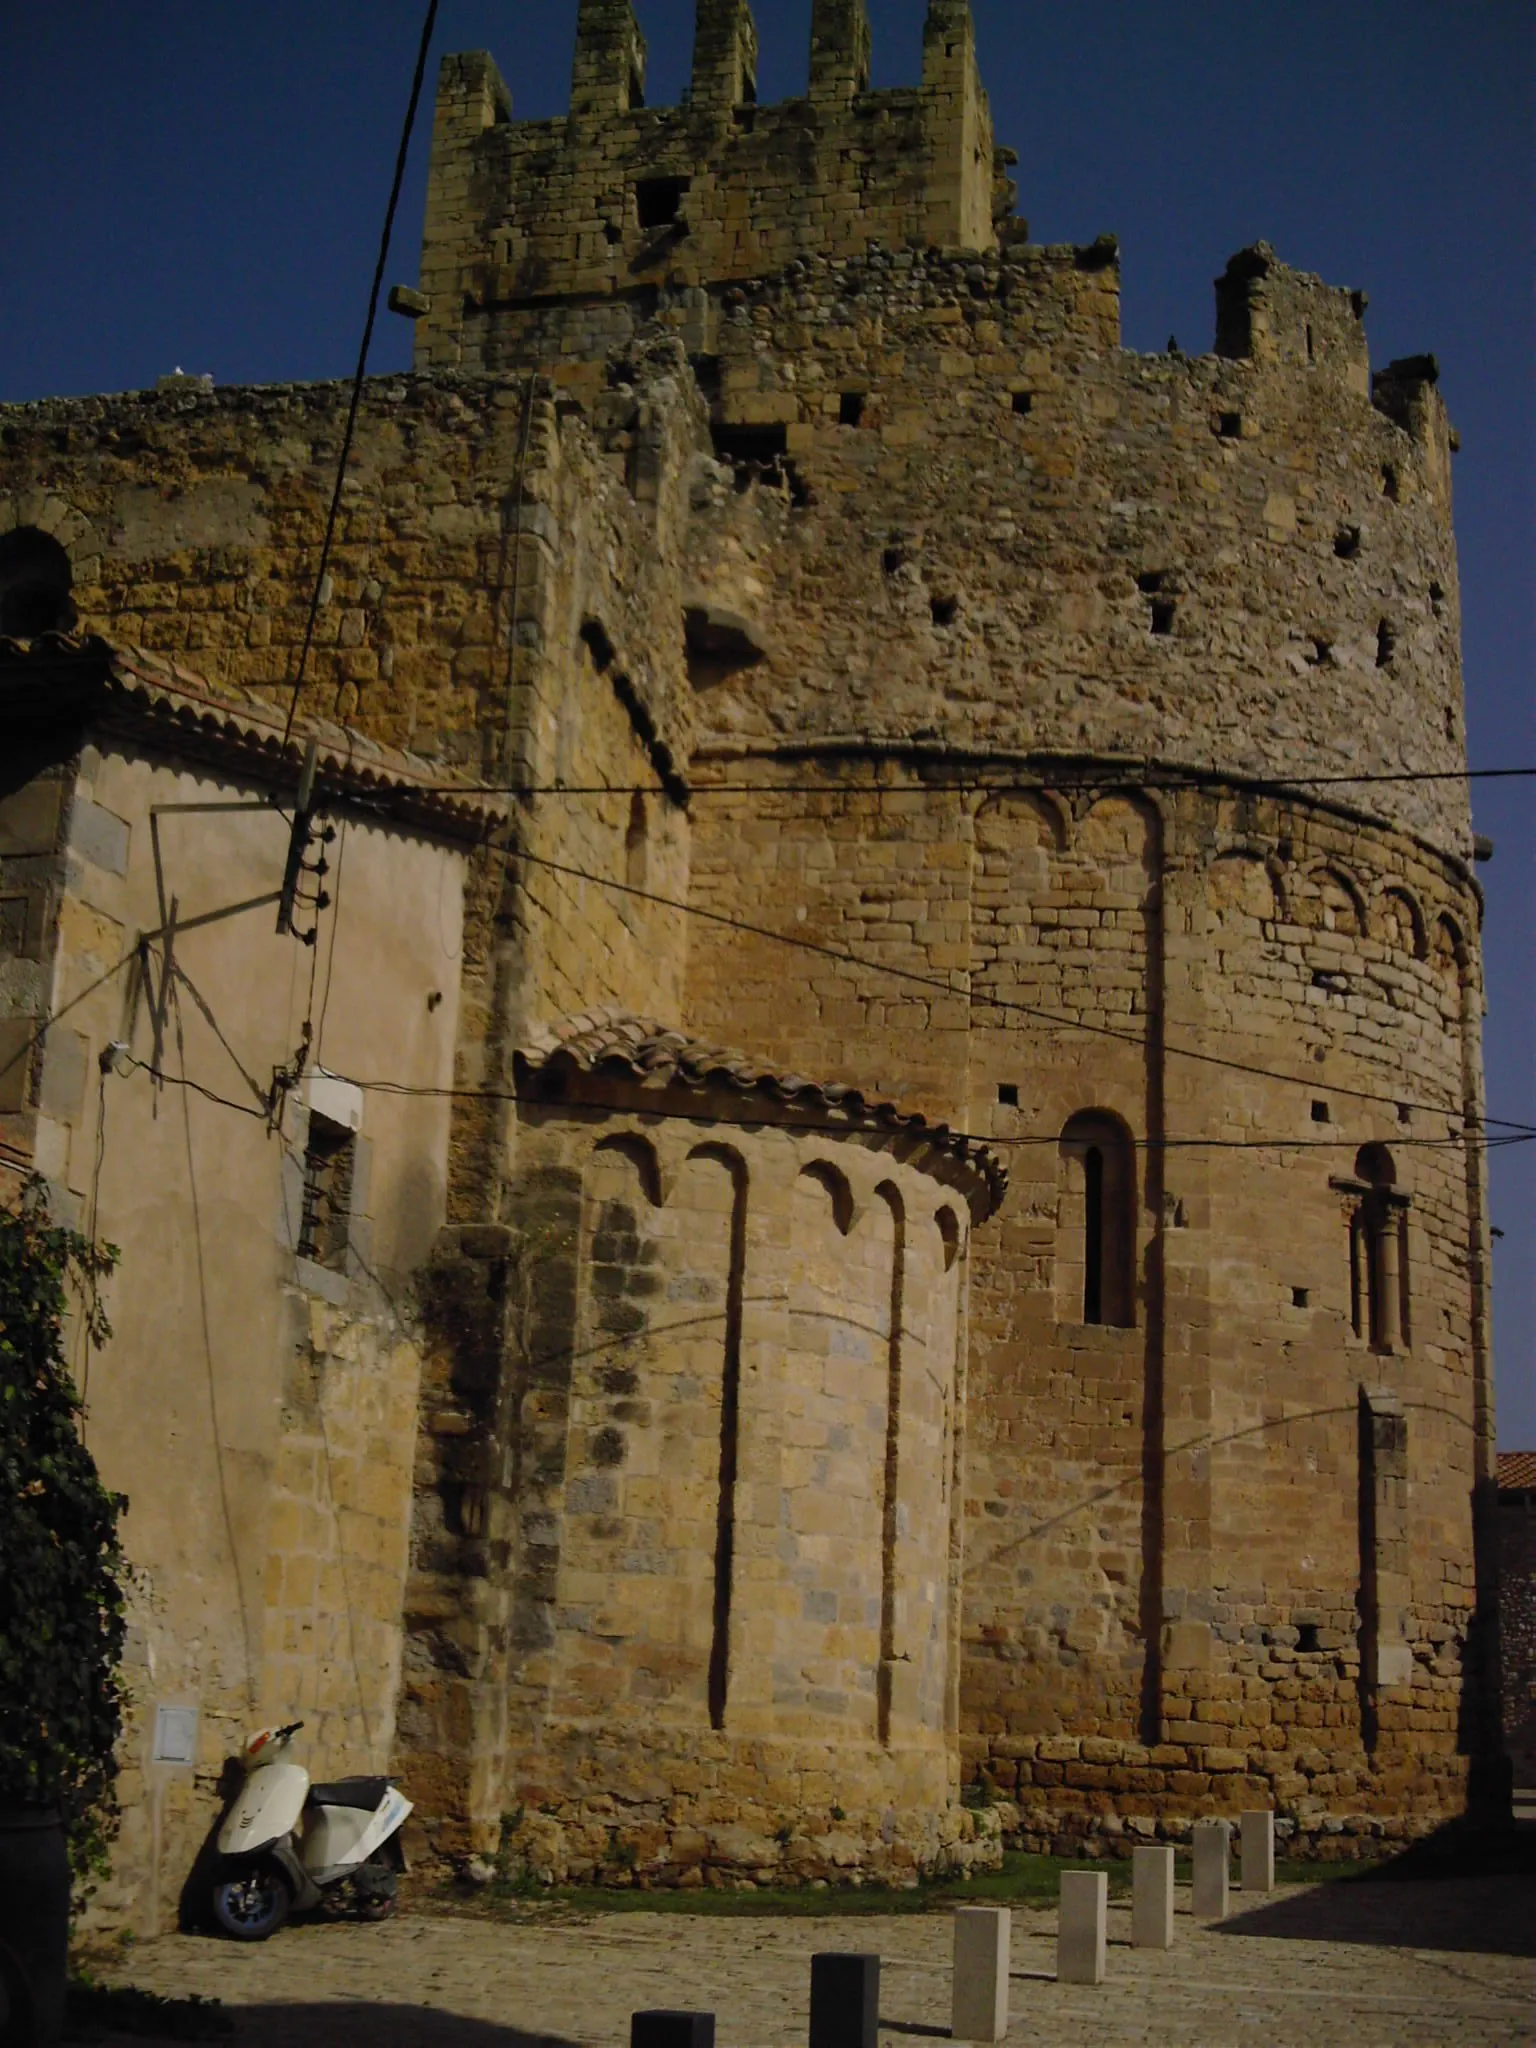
330, 1159
1230, 426
1023, 401
1301, 1297
659, 201
1320, 1113
1008, 1094
850, 412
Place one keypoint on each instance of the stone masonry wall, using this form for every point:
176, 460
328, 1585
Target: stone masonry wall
1517, 1631
618, 199
717, 1640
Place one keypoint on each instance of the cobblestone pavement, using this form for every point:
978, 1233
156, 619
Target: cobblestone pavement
1425, 1963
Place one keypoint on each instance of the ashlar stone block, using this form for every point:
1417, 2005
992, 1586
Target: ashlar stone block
979, 2007
1152, 1897
1082, 1927
1213, 1858
1257, 1850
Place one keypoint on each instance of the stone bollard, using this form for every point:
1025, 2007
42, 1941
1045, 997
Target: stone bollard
1152, 1898
672, 2030
1257, 1840
979, 2008
1213, 1851
1082, 1927
845, 2001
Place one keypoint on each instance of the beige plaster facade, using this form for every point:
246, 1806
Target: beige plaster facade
256, 1405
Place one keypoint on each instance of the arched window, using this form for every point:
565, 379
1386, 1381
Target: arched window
1378, 1253
1096, 1222
35, 581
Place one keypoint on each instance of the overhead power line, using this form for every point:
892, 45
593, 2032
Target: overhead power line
316, 599
1117, 774
831, 1126
1056, 1021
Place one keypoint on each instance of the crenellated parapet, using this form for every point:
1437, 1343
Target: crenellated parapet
620, 200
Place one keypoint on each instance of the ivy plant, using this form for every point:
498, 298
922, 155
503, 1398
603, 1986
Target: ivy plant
61, 1565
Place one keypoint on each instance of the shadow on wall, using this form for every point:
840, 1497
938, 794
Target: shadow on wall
363, 2025
1471, 1893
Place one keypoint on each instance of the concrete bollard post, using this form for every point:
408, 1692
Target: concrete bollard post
1258, 1852
672, 2030
1082, 1927
845, 2001
1213, 1855
979, 2007
1152, 1898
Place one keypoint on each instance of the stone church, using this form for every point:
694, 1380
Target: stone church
909, 961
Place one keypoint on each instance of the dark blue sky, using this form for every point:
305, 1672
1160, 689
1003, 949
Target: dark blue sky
201, 185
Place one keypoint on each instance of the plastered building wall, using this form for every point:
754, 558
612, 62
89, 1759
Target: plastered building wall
256, 1408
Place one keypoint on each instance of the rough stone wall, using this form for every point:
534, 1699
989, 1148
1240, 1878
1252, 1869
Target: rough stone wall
931, 628
620, 200
1517, 1627
717, 1519
1167, 1557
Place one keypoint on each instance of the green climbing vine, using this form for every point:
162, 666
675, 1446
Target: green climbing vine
61, 1567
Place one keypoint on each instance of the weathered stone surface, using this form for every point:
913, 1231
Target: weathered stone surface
909, 684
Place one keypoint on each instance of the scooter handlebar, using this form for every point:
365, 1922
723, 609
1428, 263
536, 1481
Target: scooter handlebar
292, 1729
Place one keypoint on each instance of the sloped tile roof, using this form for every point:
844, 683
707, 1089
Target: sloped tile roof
241, 729
642, 1049
1517, 1470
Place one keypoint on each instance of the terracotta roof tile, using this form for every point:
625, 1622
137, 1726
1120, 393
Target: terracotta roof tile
237, 723
652, 1053
1517, 1470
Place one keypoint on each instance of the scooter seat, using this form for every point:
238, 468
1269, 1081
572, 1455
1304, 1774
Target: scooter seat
365, 1794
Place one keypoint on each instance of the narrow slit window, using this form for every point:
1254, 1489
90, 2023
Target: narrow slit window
1095, 1241
1386, 644
1093, 1235
330, 1160
636, 843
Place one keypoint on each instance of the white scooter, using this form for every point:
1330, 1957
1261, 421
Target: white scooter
287, 1844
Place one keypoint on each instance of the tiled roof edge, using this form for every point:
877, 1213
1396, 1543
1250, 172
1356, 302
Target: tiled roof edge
648, 1051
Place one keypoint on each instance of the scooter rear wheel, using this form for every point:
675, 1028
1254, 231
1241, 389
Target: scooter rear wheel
251, 1904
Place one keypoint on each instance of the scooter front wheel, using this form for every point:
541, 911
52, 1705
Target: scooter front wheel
252, 1903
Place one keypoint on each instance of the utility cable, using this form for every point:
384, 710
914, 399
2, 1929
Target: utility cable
897, 1125
930, 982
428, 26
1073, 775
1111, 777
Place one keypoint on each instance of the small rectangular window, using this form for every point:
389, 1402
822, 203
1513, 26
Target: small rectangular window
659, 201
1320, 1113
850, 411
1163, 613
1023, 401
1229, 426
1008, 1094
330, 1159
